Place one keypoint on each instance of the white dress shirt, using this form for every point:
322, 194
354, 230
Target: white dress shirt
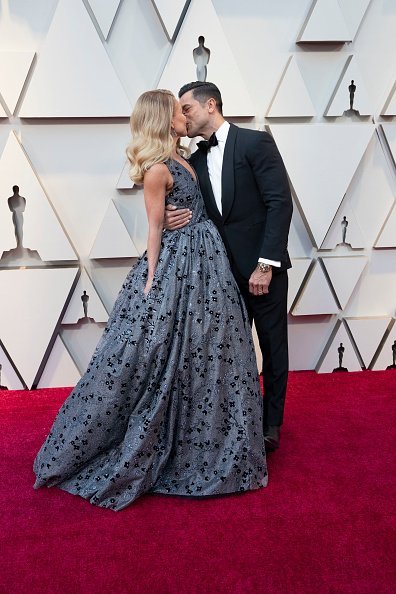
215, 165
215, 162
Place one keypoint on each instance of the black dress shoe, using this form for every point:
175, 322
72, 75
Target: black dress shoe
271, 438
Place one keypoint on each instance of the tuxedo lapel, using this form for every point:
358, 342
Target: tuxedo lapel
227, 173
201, 167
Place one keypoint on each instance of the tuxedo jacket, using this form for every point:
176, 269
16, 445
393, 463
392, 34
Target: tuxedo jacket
256, 200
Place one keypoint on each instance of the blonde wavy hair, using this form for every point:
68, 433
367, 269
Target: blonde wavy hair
152, 141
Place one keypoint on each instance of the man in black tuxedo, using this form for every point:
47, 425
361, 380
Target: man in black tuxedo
247, 195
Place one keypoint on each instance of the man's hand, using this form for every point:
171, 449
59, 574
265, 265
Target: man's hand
259, 282
176, 218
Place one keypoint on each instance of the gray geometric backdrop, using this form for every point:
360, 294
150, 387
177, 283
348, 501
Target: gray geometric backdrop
70, 72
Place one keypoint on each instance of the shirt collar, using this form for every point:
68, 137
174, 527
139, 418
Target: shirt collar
222, 132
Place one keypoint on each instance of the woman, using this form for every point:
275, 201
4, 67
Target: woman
170, 402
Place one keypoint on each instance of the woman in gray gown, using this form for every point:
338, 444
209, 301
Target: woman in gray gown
170, 402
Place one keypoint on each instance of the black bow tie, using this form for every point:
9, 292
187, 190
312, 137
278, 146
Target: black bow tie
206, 145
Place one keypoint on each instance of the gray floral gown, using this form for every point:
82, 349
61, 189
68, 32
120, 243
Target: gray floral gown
170, 402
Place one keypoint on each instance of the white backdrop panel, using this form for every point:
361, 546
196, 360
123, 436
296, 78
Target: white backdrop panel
367, 333
300, 244
387, 237
325, 23
60, 369
104, 12
170, 14
321, 71
78, 164
385, 357
353, 236
31, 303
292, 98
9, 378
371, 192
109, 277
296, 276
42, 230
95, 307
112, 239
361, 102
318, 189
81, 342
14, 68
390, 134
201, 19
83, 82
308, 336
390, 105
316, 297
377, 288
353, 12
349, 358
124, 181
344, 273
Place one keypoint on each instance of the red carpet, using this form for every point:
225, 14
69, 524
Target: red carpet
325, 523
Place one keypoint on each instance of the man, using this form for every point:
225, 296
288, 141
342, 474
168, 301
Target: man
246, 193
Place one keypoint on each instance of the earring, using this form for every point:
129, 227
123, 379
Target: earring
173, 133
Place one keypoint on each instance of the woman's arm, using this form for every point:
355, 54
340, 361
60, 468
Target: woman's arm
157, 182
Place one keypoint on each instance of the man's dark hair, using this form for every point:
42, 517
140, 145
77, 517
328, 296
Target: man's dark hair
15, 188
202, 91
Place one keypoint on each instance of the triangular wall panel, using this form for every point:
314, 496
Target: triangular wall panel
367, 334
331, 360
108, 281
104, 12
291, 98
390, 135
325, 69
9, 379
353, 12
171, 14
124, 181
83, 82
113, 239
127, 208
345, 219
371, 192
299, 242
387, 237
385, 357
31, 302
95, 307
81, 343
307, 337
60, 369
202, 19
3, 113
14, 68
341, 100
321, 193
296, 276
344, 273
389, 108
316, 297
42, 231
326, 23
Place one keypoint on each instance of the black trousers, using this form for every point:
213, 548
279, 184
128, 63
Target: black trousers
269, 313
